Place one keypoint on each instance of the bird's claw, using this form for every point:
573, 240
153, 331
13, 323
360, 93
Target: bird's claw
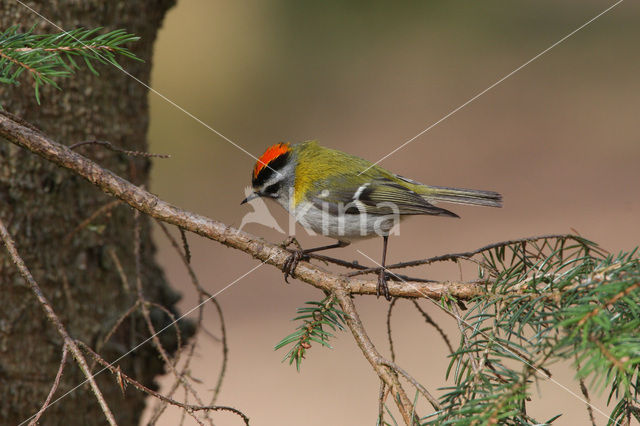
291, 263
291, 240
383, 288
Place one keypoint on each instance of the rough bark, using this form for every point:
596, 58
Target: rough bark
42, 204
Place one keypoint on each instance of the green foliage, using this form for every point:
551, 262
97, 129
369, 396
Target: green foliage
548, 300
49, 56
552, 299
315, 316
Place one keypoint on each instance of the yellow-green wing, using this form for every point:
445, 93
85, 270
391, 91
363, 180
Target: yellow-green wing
378, 196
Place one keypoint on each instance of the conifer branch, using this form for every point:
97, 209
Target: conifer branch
47, 57
316, 317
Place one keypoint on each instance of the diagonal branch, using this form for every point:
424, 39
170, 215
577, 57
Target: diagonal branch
188, 408
379, 364
54, 387
55, 320
25, 135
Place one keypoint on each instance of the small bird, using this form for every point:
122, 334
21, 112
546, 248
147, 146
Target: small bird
347, 198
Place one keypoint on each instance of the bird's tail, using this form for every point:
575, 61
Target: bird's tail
462, 196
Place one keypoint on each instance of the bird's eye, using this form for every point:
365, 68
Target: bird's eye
272, 189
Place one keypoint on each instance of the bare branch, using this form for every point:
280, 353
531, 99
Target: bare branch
55, 320
389, 336
114, 148
585, 393
372, 355
120, 269
188, 408
432, 400
171, 364
54, 387
430, 320
185, 245
203, 292
14, 130
115, 327
382, 396
102, 210
468, 256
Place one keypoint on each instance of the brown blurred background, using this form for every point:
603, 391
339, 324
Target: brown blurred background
560, 140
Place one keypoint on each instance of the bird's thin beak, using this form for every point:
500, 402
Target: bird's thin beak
250, 197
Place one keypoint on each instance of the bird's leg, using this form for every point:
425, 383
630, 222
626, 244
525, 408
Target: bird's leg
298, 254
290, 240
382, 279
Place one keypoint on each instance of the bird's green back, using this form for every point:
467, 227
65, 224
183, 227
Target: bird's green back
344, 177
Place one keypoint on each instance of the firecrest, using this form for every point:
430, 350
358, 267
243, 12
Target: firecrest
348, 198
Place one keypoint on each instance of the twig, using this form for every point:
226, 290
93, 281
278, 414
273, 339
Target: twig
618, 363
429, 320
389, 337
56, 383
609, 303
174, 321
361, 269
585, 393
467, 255
114, 148
159, 409
373, 356
463, 330
66, 288
102, 210
225, 353
20, 64
183, 414
65, 48
382, 396
185, 245
203, 292
340, 262
189, 408
120, 269
432, 400
115, 327
53, 318
171, 364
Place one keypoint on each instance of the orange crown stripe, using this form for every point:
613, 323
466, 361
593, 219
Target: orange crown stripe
269, 155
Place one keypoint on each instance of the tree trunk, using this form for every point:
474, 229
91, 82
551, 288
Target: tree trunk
42, 205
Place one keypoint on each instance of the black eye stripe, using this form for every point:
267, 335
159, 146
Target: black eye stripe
272, 189
262, 177
268, 170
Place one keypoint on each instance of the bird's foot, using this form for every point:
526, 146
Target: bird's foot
383, 288
291, 240
294, 258
291, 263
297, 254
